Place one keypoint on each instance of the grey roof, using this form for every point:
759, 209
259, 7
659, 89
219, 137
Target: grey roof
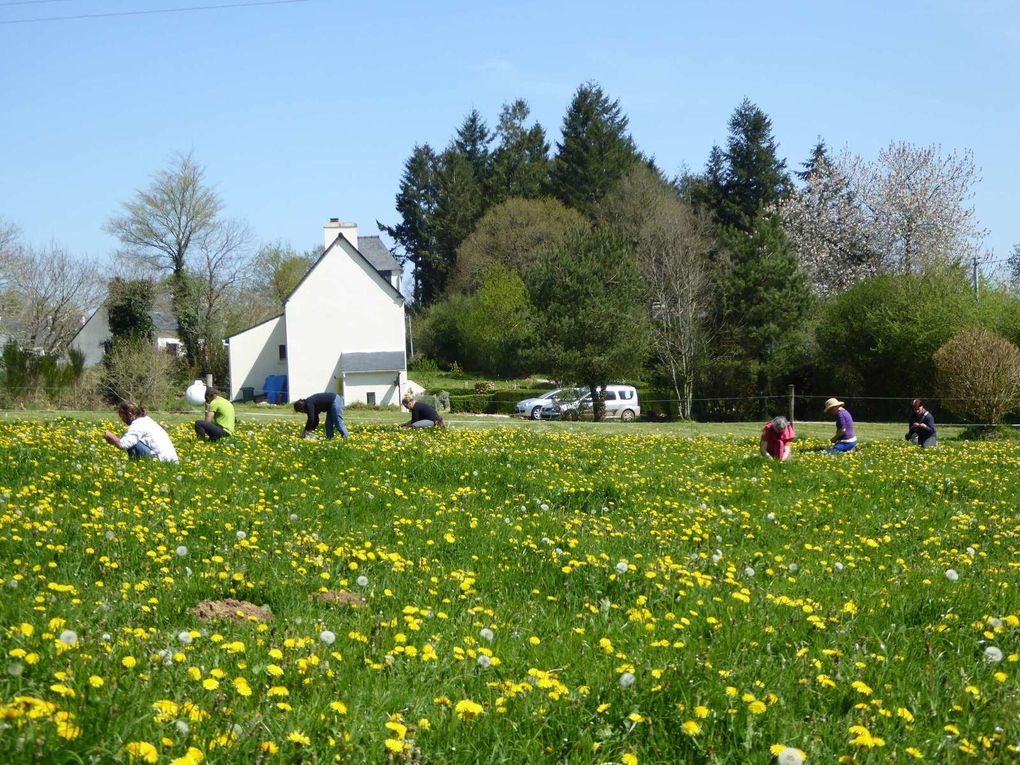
163, 321
374, 361
375, 252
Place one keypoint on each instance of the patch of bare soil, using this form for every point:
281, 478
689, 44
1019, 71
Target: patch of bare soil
230, 609
339, 598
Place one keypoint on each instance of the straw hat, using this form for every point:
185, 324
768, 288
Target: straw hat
832, 403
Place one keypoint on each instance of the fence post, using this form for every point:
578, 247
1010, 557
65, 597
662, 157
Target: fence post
208, 381
790, 396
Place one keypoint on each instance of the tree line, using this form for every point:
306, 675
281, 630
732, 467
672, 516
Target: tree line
589, 263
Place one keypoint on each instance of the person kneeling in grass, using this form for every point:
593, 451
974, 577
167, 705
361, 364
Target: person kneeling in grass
326, 403
921, 431
422, 415
776, 437
845, 439
144, 438
219, 418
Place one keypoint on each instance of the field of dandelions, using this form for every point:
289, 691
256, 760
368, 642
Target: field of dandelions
506, 596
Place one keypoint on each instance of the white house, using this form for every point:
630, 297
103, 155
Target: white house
94, 334
342, 328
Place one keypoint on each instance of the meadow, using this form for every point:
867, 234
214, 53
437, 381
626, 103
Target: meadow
506, 594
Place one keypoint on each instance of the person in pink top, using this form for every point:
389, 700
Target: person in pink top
776, 437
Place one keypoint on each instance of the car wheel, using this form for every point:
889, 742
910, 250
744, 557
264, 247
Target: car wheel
627, 415
536, 413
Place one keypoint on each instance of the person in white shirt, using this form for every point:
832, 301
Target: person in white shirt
144, 438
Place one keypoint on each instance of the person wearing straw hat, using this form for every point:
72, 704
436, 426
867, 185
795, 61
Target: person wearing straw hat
845, 439
776, 437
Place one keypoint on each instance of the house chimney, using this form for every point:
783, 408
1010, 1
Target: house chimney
335, 228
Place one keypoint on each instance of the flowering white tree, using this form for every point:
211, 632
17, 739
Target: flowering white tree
909, 211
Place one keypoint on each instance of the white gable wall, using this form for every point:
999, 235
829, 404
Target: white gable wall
92, 336
342, 305
255, 354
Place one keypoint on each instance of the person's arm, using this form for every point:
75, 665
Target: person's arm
312, 422
209, 414
763, 445
112, 439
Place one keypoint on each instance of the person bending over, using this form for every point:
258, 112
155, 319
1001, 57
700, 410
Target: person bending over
326, 403
921, 431
144, 438
776, 437
219, 418
422, 415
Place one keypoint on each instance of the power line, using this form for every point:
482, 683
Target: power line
150, 12
30, 2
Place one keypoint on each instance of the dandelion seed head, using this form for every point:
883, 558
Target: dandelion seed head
993, 654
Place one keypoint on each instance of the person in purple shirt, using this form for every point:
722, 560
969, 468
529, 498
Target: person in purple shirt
845, 439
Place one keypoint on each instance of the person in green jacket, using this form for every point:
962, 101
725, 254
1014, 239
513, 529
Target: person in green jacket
219, 418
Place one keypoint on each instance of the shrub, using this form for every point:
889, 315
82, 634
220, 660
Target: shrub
978, 375
136, 371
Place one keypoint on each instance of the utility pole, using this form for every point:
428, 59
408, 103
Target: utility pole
974, 278
791, 395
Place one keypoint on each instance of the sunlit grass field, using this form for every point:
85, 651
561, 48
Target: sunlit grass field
597, 594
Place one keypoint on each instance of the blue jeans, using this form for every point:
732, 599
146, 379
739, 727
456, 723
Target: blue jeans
139, 451
842, 447
335, 419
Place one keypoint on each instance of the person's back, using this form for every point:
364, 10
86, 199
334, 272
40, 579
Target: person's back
149, 432
223, 413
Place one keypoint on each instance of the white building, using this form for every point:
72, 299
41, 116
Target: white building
94, 334
342, 328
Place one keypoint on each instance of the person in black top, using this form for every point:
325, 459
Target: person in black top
326, 403
921, 431
422, 415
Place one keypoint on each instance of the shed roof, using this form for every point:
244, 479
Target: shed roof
372, 361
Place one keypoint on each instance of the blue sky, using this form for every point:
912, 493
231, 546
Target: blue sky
306, 111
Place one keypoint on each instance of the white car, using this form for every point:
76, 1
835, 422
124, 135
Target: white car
621, 402
532, 407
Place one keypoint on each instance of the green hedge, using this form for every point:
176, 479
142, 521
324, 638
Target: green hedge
498, 402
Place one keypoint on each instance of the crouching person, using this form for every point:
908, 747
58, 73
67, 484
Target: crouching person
144, 438
326, 403
921, 431
219, 418
776, 437
422, 415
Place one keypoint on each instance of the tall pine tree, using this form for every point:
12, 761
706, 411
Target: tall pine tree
595, 152
755, 177
415, 235
520, 163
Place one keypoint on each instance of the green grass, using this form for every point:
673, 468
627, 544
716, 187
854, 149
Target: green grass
755, 604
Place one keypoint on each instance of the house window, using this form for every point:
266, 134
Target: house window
370, 398
283, 352
173, 349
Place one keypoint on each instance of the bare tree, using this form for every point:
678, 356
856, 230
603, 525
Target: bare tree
907, 212
673, 245
162, 223
9, 238
48, 291
222, 262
